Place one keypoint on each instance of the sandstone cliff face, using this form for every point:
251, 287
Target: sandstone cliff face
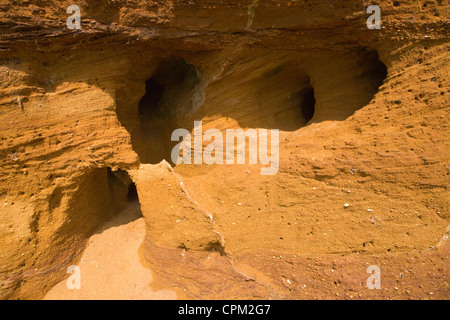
363, 118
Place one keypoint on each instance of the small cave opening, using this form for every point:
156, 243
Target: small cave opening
101, 195
269, 89
288, 91
166, 95
132, 194
123, 190
279, 96
308, 104
148, 106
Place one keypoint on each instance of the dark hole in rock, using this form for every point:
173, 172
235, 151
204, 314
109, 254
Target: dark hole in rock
122, 189
101, 194
308, 104
165, 90
132, 194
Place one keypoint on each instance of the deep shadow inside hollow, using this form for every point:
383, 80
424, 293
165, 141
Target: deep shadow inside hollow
132, 194
287, 95
124, 197
161, 105
101, 195
173, 81
122, 188
308, 104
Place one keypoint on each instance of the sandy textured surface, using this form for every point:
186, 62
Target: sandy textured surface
364, 165
110, 265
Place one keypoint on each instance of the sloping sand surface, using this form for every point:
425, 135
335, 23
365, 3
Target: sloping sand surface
110, 266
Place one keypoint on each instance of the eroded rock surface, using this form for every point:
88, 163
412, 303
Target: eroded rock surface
86, 118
